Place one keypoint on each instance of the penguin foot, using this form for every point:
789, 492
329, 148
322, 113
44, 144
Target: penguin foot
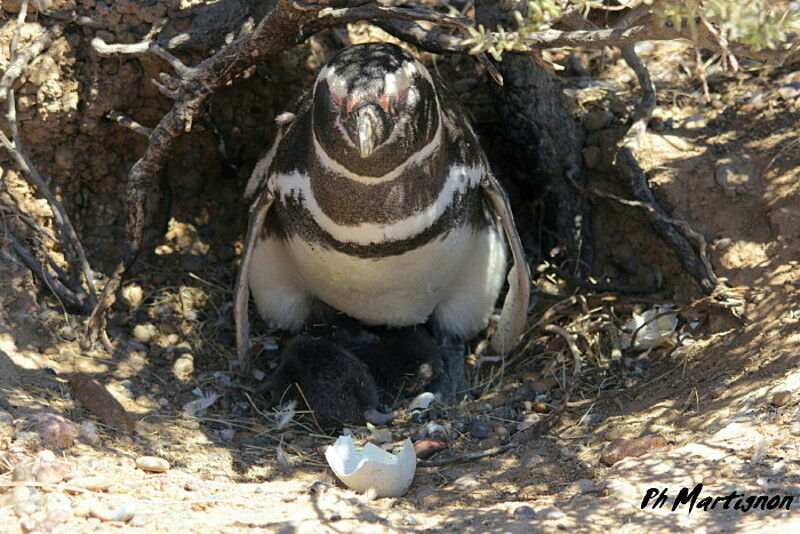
451, 385
378, 418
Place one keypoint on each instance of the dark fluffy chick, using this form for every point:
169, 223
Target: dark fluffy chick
337, 386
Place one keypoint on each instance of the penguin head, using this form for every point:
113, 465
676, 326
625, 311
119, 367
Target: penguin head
373, 107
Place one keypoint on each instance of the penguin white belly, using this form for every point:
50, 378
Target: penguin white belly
456, 278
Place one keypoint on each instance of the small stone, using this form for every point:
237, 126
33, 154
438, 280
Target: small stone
795, 429
195, 485
597, 120
584, 485
540, 407
421, 401
183, 367
530, 420
48, 473
435, 431
56, 431
781, 398
144, 333
22, 472
84, 508
27, 507
479, 429
90, 483
695, 122
623, 448
495, 399
133, 294
122, 513
524, 512
465, 482
425, 448
153, 464
789, 91
550, 514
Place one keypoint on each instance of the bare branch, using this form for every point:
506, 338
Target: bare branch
21, 60
129, 123
63, 293
117, 49
73, 249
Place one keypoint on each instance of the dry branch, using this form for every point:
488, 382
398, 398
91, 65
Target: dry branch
72, 247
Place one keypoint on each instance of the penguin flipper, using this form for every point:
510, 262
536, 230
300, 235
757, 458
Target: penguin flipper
515, 306
258, 214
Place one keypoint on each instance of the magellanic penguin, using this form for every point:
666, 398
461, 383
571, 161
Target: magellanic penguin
377, 200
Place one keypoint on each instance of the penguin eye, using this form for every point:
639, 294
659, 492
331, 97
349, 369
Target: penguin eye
402, 94
336, 99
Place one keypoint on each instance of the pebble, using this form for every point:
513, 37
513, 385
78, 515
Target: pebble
524, 512
540, 407
465, 482
122, 513
584, 485
550, 513
426, 448
57, 431
421, 401
695, 122
144, 333
22, 472
84, 508
183, 367
789, 91
48, 473
91, 483
781, 398
435, 431
795, 429
153, 464
479, 429
530, 420
623, 448
26, 507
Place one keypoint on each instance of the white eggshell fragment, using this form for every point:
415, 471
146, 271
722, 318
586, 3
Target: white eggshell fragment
372, 468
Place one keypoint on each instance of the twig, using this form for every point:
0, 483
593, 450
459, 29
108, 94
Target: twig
119, 49
22, 59
675, 233
62, 292
728, 59
129, 123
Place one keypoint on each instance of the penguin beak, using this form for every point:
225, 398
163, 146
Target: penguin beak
367, 130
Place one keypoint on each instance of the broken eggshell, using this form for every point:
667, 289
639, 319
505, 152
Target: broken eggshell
372, 468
